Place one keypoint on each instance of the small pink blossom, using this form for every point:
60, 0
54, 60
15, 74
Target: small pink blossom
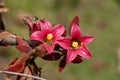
76, 43
48, 35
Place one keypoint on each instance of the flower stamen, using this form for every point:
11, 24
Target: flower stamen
75, 44
49, 36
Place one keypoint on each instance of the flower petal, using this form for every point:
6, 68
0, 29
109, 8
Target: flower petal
75, 20
75, 31
45, 25
77, 60
58, 30
37, 35
65, 42
35, 27
65, 33
71, 55
84, 52
86, 39
62, 64
52, 56
49, 48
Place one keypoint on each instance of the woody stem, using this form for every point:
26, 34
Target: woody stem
21, 74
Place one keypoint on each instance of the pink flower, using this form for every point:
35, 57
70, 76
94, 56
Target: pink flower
48, 34
76, 43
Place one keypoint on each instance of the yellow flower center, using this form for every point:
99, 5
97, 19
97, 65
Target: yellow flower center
75, 44
49, 36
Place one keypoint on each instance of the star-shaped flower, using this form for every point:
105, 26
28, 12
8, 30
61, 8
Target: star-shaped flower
76, 43
48, 35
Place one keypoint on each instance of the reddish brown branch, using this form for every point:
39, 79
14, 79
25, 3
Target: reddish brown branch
12, 41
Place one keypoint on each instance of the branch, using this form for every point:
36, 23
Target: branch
12, 41
20, 74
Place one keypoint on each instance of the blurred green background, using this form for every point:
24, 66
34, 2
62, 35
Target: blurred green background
100, 18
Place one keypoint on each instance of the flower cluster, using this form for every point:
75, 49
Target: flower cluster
55, 43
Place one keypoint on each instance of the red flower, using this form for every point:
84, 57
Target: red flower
48, 34
76, 43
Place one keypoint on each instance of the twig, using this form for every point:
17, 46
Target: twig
12, 41
20, 74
